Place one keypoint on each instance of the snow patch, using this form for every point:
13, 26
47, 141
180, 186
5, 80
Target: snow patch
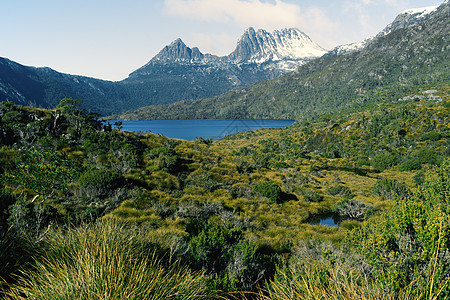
421, 11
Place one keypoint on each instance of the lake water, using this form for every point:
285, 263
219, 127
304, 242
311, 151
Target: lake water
205, 128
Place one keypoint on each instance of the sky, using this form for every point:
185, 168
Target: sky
108, 39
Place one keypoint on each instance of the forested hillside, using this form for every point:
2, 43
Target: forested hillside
90, 212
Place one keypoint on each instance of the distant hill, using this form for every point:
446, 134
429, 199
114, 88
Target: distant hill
44, 87
176, 73
394, 62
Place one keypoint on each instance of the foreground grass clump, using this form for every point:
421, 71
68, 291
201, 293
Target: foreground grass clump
106, 260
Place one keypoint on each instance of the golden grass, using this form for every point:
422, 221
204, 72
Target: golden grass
105, 261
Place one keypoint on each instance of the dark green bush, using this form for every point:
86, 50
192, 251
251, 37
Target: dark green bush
423, 156
233, 262
311, 195
414, 163
212, 247
419, 178
104, 179
389, 188
340, 190
384, 161
431, 136
267, 189
250, 265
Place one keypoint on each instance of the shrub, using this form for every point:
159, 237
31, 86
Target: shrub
311, 195
419, 178
430, 136
389, 188
423, 156
267, 189
250, 265
203, 179
353, 209
212, 247
384, 161
104, 179
340, 190
408, 246
413, 163
234, 263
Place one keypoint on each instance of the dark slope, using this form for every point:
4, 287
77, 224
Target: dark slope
386, 68
44, 87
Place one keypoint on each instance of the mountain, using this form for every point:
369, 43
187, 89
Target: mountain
44, 87
176, 73
253, 47
405, 19
390, 65
287, 44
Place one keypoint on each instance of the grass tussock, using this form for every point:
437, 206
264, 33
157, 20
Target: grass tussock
319, 280
105, 261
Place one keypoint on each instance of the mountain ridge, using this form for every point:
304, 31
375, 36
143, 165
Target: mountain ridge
405, 19
176, 73
253, 47
390, 65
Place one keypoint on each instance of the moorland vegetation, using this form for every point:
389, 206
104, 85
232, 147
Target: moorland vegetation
91, 212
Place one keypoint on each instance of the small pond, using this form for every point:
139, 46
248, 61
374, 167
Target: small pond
327, 219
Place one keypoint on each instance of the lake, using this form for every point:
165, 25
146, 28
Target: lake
205, 128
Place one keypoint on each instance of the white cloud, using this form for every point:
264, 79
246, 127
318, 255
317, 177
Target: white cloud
317, 20
219, 44
245, 13
271, 15
360, 11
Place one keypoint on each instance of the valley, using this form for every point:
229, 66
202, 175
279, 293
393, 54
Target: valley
88, 211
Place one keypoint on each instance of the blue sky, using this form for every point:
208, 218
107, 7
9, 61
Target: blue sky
109, 39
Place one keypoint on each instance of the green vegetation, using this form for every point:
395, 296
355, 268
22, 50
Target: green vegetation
105, 261
90, 212
267, 189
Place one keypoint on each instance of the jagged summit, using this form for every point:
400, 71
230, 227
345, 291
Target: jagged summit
259, 55
177, 51
261, 46
285, 48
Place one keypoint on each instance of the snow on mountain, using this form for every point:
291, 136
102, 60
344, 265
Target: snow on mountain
286, 44
406, 19
282, 50
421, 12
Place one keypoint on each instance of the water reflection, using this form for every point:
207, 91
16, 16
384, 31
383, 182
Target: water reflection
327, 219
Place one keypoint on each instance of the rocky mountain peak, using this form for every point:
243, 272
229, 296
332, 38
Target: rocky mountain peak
261, 45
408, 18
177, 51
284, 49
